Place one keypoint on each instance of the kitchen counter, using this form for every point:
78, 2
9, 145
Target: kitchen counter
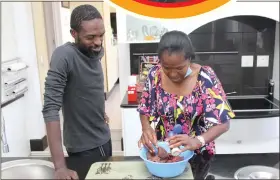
238, 106
255, 128
80, 165
222, 167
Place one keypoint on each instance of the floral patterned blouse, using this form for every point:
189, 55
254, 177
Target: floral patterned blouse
205, 107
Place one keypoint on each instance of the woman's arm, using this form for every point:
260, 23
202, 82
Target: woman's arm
217, 111
147, 110
215, 131
145, 122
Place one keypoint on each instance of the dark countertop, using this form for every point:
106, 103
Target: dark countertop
240, 104
80, 165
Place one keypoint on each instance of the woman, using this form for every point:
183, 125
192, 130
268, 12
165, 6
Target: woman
178, 91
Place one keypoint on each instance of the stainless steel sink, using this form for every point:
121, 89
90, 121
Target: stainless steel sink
27, 169
257, 172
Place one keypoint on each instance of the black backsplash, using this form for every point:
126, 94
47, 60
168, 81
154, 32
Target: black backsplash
223, 42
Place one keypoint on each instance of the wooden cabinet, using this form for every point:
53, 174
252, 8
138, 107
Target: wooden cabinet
109, 61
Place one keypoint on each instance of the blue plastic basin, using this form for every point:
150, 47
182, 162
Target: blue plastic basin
166, 170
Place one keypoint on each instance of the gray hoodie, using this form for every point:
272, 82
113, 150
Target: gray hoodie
75, 82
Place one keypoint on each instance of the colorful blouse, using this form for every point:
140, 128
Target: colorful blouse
205, 107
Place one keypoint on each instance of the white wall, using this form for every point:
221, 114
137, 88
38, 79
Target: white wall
25, 117
65, 24
27, 50
111, 50
124, 67
269, 10
8, 41
276, 62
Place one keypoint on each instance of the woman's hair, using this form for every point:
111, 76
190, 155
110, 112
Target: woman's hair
176, 42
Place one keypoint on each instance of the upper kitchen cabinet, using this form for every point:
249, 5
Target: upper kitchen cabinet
110, 59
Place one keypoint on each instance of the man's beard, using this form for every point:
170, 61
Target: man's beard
88, 51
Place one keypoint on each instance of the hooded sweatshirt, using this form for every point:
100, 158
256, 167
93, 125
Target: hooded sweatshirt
75, 82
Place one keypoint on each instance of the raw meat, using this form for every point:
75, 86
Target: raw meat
163, 157
162, 154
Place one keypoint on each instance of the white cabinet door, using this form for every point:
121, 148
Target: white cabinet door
15, 127
260, 135
132, 131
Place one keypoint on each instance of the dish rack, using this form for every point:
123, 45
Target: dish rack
14, 79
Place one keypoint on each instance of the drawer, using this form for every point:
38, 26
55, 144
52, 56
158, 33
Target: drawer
252, 130
247, 147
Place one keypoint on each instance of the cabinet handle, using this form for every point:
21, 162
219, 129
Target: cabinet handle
239, 142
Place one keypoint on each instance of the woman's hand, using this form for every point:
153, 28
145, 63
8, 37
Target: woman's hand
148, 139
189, 143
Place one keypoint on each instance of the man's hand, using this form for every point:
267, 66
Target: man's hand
106, 118
64, 173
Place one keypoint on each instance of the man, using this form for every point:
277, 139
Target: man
75, 83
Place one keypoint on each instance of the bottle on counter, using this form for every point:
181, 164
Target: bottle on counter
131, 89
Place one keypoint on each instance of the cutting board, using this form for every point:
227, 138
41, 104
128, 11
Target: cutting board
126, 170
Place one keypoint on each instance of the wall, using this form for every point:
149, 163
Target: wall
123, 53
23, 118
8, 42
270, 10
111, 49
232, 39
65, 24
112, 9
25, 33
13, 114
276, 62
245, 35
41, 43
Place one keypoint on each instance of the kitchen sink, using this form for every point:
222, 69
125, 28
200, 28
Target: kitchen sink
240, 104
27, 169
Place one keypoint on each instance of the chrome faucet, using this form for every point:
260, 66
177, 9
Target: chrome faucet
3, 137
